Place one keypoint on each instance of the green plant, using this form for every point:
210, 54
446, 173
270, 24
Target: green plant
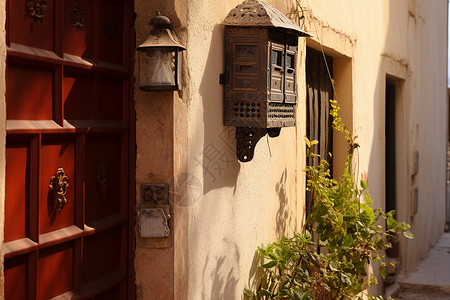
346, 226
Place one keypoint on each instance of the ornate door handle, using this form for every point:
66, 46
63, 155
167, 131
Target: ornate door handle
59, 184
37, 9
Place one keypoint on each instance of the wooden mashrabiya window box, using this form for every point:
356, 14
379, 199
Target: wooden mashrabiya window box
260, 94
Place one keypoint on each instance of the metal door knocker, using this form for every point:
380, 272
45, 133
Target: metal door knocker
37, 9
77, 16
59, 184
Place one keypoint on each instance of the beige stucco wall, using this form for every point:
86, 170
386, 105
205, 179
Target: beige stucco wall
249, 203
405, 41
427, 121
223, 209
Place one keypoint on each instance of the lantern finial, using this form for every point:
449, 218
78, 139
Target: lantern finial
159, 20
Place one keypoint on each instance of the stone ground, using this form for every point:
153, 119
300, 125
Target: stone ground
431, 280
419, 296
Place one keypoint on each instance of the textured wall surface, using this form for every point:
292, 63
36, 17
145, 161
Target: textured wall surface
224, 209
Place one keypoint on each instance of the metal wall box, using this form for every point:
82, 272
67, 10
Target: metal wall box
153, 222
260, 66
260, 94
153, 216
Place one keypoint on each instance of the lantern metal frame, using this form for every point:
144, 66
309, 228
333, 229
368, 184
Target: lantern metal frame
159, 43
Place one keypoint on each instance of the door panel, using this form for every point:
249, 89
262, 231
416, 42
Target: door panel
110, 294
16, 281
55, 271
16, 181
109, 103
110, 35
54, 154
107, 262
29, 95
26, 30
68, 111
76, 41
103, 174
78, 98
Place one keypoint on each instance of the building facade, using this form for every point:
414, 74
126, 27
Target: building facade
70, 100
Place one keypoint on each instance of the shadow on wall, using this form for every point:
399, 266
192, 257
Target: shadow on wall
223, 275
284, 213
218, 157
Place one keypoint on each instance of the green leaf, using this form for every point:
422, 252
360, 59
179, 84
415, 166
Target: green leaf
248, 293
271, 255
408, 234
390, 214
404, 226
364, 184
307, 234
308, 143
347, 240
270, 264
391, 223
333, 266
368, 212
264, 293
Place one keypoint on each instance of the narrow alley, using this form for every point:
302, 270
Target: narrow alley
431, 279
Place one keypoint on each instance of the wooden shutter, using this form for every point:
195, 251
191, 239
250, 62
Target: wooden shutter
318, 119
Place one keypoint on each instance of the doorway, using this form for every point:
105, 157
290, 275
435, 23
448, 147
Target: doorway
395, 166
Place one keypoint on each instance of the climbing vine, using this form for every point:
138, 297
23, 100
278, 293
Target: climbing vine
350, 233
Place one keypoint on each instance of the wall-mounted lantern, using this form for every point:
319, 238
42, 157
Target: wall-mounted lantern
160, 58
260, 73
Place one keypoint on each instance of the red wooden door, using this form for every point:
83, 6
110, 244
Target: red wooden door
68, 105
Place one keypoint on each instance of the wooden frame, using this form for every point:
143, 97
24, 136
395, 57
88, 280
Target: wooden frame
35, 133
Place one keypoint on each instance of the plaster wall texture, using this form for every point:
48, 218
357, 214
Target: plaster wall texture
428, 123
154, 258
2, 137
229, 208
246, 204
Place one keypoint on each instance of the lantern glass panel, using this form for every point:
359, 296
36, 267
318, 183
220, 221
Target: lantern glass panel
157, 68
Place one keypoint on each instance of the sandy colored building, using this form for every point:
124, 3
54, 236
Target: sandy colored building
72, 110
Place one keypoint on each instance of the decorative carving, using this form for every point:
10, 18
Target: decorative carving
110, 26
228, 44
37, 9
77, 16
103, 178
58, 188
260, 13
155, 194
